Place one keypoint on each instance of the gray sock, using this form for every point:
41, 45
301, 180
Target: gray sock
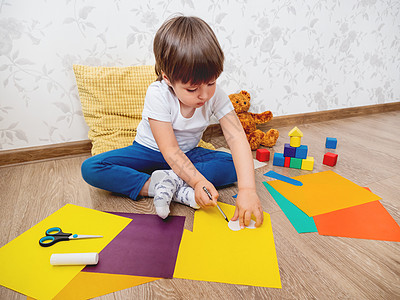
164, 190
185, 195
155, 178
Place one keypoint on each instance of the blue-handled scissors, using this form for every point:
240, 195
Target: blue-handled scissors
55, 235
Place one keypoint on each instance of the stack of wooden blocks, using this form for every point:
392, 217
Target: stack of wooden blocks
295, 154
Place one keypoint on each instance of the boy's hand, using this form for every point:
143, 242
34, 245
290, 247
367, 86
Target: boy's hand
248, 203
201, 196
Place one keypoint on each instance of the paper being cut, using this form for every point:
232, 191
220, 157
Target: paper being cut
235, 226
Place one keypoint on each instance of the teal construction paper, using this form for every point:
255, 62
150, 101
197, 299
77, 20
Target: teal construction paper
300, 221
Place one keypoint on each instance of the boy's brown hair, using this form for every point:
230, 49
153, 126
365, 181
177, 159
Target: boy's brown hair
187, 50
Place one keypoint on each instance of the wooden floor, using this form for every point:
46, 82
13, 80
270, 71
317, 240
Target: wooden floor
311, 266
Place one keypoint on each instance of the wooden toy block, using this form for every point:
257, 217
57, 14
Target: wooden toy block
289, 151
331, 143
262, 154
295, 163
295, 132
279, 160
301, 152
308, 164
295, 141
287, 162
330, 159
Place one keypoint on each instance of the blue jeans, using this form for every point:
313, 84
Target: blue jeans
126, 170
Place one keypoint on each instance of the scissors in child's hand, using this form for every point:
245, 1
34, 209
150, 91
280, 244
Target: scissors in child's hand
55, 235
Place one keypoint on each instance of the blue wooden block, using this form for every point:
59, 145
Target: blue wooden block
301, 152
279, 160
331, 143
289, 151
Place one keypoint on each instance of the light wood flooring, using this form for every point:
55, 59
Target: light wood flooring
311, 266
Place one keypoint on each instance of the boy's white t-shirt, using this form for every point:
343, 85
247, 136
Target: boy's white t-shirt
161, 104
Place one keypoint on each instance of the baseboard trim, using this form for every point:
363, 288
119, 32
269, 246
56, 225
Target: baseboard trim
31, 154
334, 114
314, 117
61, 150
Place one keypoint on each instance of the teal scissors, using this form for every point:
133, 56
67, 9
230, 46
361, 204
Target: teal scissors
55, 235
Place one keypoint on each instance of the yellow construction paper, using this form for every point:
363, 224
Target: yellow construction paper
87, 285
323, 192
213, 252
25, 265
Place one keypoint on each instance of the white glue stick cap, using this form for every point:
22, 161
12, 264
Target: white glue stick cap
67, 259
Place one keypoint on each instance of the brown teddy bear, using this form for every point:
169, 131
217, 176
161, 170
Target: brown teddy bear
241, 103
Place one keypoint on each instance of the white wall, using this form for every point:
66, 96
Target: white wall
292, 56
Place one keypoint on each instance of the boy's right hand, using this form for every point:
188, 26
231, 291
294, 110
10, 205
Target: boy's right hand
201, 196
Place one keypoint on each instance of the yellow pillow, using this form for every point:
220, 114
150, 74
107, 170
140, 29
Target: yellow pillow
112, 101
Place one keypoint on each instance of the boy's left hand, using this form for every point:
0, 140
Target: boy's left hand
247, 204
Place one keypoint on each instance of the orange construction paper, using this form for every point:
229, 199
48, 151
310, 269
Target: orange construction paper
323, 192
366, 221
87, 285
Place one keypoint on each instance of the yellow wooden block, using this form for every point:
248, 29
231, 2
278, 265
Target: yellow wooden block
295, 132
295, 141
308, 163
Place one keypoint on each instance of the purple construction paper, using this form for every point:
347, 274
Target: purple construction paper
148, 246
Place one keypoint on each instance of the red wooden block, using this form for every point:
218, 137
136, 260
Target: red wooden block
330, 159
287, 162
262, 154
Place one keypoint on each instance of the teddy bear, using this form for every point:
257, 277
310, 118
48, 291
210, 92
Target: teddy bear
241, 103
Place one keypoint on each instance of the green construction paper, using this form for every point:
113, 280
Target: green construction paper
300, 221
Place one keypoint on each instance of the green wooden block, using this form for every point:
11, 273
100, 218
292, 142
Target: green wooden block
295, 163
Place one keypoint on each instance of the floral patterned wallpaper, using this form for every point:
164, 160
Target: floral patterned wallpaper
292, 56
